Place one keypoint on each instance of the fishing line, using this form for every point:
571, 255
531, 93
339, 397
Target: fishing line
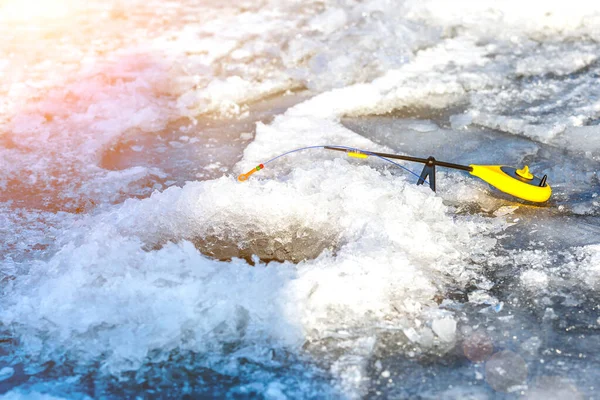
352, 151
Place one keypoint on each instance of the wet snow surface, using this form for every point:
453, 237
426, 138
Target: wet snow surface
133, 263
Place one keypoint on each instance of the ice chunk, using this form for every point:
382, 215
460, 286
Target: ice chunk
275, 391
568, 62
445, 329
535, 280
6, 373
460, 121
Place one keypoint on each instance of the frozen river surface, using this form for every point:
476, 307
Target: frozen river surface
133, 263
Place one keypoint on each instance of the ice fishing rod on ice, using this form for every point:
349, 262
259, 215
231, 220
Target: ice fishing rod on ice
519, 183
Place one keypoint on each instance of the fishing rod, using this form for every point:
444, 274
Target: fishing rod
519, 183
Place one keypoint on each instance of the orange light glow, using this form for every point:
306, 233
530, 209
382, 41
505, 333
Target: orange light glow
34, 10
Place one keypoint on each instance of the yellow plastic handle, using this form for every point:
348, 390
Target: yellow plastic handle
495, 176
356, 154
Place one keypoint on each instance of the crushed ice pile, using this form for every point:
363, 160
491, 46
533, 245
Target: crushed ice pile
132, 261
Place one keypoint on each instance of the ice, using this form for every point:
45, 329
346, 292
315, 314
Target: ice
478, 347
534, 279
129, 252
549, 63
586, 266
461, 121
553, 387
445, 329
531, 345
19, 395
194, 93
76, 301
506, 371
329, 21
583, 139
323, 290
6, 373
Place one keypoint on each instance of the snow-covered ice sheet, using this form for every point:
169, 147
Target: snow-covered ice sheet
131, 260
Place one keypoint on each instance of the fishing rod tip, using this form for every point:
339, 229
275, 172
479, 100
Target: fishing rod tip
244, 177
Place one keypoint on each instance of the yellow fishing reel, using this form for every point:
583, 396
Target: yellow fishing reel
517, 182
